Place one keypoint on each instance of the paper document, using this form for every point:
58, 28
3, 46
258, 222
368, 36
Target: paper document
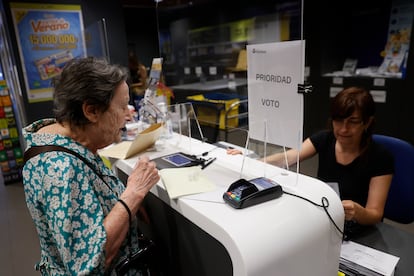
185, 181
127, 149
366, 260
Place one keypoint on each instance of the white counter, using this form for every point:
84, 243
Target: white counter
284, 236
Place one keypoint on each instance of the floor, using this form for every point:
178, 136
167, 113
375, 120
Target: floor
18, 238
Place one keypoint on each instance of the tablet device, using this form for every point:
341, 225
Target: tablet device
177, 159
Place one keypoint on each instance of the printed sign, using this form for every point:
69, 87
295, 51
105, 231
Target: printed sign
275, 106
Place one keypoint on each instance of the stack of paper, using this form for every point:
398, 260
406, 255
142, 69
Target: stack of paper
185, 181
357, 259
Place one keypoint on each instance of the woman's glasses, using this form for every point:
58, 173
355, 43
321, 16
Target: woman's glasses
348, 122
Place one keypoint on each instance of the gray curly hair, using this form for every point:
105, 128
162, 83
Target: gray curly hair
85, 80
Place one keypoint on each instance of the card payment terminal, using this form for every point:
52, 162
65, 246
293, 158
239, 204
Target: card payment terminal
243, 193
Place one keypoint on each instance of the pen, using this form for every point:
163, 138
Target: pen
207, 152
208, 162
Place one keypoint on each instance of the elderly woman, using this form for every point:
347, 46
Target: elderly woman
84, 215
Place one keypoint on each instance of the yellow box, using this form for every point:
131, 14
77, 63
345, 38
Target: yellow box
203, 117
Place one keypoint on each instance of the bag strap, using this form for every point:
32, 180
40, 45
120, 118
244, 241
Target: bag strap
35, 150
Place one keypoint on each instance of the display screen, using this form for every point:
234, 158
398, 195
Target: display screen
263, 183
177, 159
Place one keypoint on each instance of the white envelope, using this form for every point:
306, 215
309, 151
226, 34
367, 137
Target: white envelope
127, 149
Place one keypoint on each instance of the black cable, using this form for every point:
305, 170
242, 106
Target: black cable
324, 205
207, 152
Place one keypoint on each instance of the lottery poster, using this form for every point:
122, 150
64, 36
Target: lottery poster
48, 36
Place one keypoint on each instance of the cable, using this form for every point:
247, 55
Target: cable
324, 205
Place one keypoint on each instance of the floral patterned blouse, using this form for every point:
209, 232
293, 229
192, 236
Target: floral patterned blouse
68, 202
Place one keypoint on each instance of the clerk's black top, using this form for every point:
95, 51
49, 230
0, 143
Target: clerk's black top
353, 179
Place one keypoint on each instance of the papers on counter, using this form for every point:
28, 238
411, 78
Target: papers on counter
142, 141
185, 181
357, 258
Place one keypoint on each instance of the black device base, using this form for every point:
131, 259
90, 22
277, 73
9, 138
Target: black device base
243, 193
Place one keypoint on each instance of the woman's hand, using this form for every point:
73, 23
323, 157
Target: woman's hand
143, 177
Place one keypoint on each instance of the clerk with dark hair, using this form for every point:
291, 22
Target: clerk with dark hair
348, 156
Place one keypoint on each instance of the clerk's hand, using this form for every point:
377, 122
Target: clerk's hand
350, 209
144, 176
232, 151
